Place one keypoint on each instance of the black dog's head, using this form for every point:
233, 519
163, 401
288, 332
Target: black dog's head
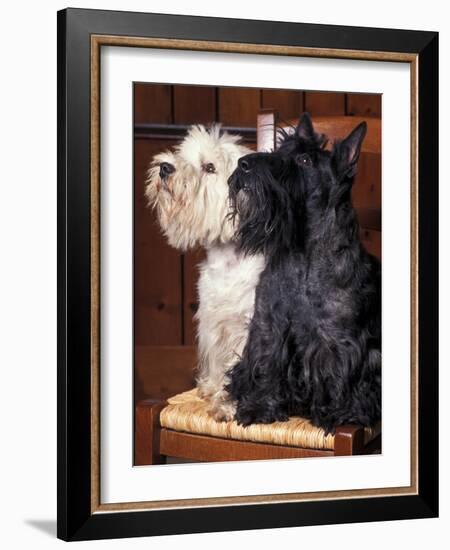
274, 196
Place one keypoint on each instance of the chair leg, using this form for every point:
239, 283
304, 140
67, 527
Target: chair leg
147, 430
348, 440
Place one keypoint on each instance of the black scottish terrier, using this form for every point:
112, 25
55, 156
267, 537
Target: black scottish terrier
314, 345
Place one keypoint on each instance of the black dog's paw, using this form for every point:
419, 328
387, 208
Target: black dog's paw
247, 417
327, 425
329, 429
277, 415
244, 419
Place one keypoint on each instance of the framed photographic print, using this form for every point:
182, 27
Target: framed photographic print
247, 256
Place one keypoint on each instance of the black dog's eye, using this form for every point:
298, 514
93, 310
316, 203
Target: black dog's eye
209, 168
304, 160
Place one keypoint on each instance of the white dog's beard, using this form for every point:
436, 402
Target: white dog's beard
191, 217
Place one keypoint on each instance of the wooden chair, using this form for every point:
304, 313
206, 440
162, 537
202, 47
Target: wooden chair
180, 427
155, 442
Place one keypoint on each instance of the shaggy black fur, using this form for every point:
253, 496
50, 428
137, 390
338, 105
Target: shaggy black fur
314, 345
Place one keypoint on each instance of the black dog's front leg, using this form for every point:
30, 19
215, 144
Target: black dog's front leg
252, 410
258, 380
255, 394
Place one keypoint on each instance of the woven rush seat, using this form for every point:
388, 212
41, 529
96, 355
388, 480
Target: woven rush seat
187, 412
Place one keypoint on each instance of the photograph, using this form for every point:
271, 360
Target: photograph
257, 273
247, 274
225, 275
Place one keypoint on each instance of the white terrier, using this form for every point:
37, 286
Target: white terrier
189, 189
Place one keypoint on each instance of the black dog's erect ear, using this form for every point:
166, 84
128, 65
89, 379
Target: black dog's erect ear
305, 129
346, 153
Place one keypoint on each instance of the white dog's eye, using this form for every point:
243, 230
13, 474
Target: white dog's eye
209, 168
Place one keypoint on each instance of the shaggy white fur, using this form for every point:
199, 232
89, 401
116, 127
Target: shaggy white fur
192, 204
226, 301
192, 207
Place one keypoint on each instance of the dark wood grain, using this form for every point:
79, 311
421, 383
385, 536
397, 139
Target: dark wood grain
163, 371
147, 433
369, 218
348, 440
364, 105
152, 103
325, 103
194, 104
371, 240
238, 106
213, 449
287, 103
366, 192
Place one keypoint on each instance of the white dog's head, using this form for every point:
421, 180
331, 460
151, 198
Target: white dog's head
189, 188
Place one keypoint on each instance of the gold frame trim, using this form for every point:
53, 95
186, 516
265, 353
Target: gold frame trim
262, 49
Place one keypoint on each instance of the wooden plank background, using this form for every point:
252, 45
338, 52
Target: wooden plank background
165, 280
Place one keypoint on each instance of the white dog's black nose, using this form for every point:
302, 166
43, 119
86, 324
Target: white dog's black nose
165, 169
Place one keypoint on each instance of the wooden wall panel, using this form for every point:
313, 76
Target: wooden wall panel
157, 267
367, 187
287, 103
372, 241
325, 103
238, 106
163, 371
194, 104
364, 105
152, 103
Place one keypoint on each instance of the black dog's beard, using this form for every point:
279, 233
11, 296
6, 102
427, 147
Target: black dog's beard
264, 212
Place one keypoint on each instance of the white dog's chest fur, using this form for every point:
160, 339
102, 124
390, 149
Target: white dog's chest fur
226, 302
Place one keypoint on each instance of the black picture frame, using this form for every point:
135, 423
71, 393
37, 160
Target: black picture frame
75, 518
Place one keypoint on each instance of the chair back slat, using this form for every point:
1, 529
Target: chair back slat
266, 131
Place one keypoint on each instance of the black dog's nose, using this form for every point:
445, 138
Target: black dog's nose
165, 169
244, 164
